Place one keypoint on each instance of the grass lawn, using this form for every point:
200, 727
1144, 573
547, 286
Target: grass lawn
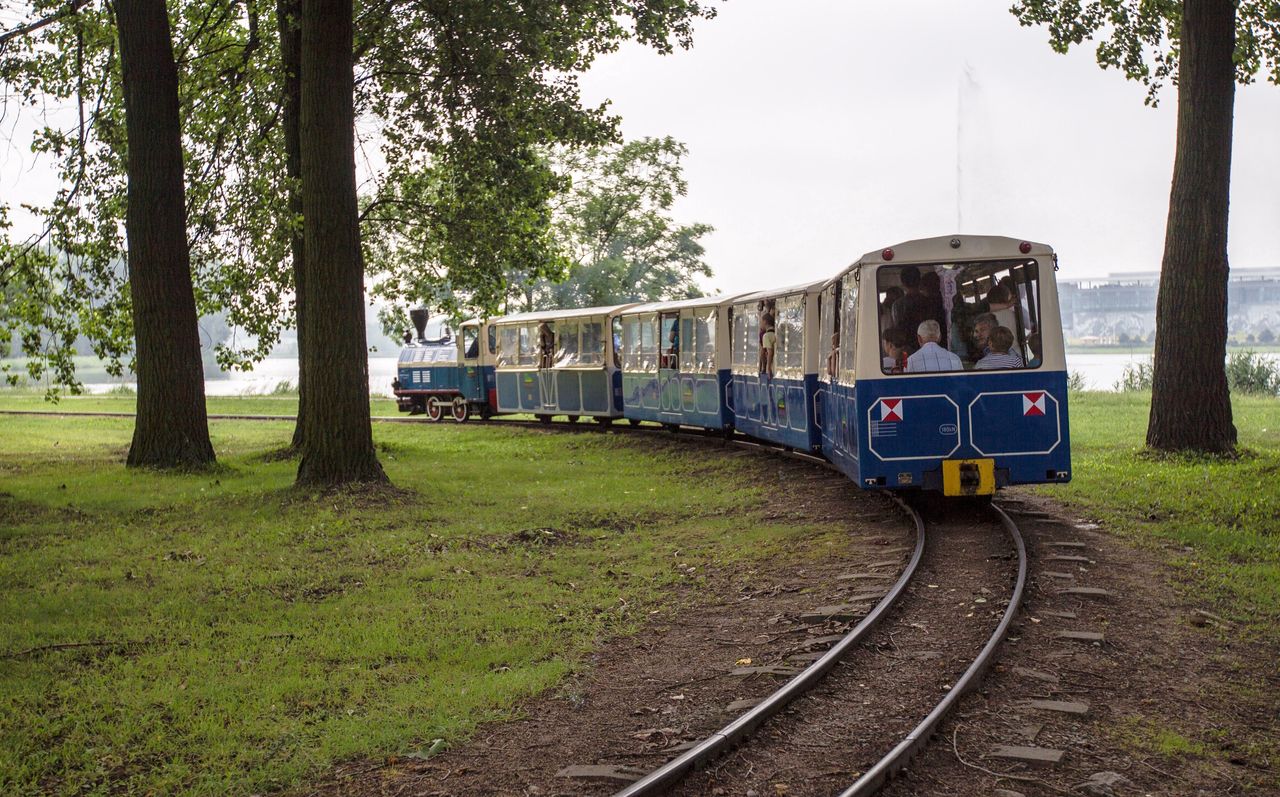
1219, 520
223, 634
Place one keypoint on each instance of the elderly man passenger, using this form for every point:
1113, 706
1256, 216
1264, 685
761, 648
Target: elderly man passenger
931, 356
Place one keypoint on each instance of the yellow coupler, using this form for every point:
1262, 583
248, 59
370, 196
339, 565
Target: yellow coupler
968, 477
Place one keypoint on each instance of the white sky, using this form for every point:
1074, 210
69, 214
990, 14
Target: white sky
822, 129
819, 130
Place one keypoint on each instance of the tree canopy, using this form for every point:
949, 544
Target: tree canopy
616, 227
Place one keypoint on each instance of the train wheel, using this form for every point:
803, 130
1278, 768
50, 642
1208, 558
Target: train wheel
573, 418
461, 410
633, 421
605, 422
434, 411
544, 418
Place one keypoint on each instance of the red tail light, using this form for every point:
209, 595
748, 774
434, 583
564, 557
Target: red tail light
887, 254
1024, 247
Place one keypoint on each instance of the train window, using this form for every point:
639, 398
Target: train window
789, 324
704, 340
669, 356
493, 340
566, 343
509, 351
649, 343
631, 343
986, 312
617, 340
746, 339
528, 346
828, 333
592, 352
848, 327
688, 342
470, 343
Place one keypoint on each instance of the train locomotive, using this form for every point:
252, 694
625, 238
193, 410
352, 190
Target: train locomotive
836, 368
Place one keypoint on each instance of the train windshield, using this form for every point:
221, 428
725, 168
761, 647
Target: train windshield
947, 317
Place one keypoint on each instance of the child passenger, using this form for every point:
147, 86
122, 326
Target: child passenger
897, 348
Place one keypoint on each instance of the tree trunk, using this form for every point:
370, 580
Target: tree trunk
288, 17
171, 429
337, 444
1190, 401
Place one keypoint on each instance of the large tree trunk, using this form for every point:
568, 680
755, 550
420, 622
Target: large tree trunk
288, 17
171, 429
1190, 401
337, 445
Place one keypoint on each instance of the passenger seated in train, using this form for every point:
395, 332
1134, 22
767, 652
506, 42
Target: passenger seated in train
982, 326
1033, 343
999, 344
931, 356
833, 356
897, 349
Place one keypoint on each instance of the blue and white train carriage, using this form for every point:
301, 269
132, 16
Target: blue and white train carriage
774, 400
560, 362
992, 409
675, 363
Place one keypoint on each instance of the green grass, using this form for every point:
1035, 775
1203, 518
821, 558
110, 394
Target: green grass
245, 636
1218, 519
273, 404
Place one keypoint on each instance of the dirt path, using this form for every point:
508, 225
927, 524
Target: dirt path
1128, 714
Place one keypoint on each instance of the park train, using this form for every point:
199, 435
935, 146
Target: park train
832, 391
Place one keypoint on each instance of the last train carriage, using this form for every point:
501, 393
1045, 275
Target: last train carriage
981, 406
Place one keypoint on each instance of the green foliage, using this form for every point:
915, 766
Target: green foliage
1136, 377
616, 225
253, 637
1076, 382
1142, 38
1252, 373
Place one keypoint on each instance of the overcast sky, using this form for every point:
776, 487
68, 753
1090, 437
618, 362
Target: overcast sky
820, 130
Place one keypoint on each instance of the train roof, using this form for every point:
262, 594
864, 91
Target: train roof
944, 248
719, 300
556, 315
807, 287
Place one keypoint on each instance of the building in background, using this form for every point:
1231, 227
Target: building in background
1120, 309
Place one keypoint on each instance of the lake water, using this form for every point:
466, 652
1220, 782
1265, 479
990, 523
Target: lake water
1101, 371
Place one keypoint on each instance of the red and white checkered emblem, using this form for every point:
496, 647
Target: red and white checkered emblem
890, 410
1033, 404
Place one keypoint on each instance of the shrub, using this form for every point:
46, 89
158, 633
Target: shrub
1253, 373
1076, 383
1136, 377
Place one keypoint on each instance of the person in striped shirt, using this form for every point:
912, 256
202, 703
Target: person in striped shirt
1000, 341
931, 356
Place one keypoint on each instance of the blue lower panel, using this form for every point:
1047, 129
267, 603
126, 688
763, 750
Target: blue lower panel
909, 426
777, 410
568, 391
672, 397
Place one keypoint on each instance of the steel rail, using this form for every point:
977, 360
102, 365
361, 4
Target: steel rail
878, 775
713, 746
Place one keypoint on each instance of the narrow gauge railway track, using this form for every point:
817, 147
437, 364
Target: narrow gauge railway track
665, 778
